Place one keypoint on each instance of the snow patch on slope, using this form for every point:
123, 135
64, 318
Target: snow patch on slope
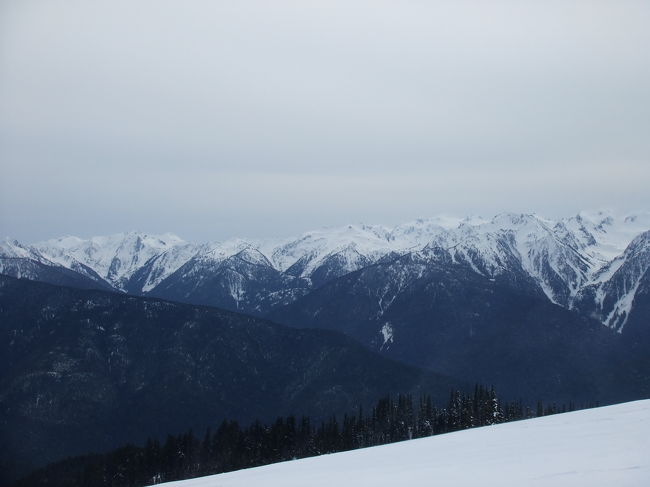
387, 334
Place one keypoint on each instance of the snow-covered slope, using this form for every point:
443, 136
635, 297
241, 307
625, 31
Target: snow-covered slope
160, 266
605, 447
611, 293
513, 243
26, 262
571, 260
21, 261
603, 235
312, 248
12, 249
114, 257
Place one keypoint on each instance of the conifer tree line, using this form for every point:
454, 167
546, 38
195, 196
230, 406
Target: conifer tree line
232, 447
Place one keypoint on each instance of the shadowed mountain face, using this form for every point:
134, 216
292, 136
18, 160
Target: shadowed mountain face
445, 317
245, 282
88, 370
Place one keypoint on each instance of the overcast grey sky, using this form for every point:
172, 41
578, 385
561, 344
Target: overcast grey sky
220, 118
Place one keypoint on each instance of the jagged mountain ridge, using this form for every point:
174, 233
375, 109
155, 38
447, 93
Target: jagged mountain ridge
565, 259
115, 257
610, 295
26, 262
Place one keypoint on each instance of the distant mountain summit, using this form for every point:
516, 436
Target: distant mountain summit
571, 261
27, 262
115, 258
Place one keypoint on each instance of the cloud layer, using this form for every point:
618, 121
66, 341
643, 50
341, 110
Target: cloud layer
212, 119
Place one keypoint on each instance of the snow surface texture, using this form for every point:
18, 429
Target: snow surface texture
605, 447
563, 257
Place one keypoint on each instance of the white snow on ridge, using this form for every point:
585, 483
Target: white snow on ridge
315, 246
604, 234
114, 257
564, 257
165, 264
619, 281
600, 235
602, 447
12, 249
12, 253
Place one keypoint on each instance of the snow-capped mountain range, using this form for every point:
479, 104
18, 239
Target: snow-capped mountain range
593, 262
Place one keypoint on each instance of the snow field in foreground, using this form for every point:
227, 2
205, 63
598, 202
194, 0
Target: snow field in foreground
607, 446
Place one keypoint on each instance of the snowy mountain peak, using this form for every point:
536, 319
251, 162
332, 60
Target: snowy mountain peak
508, 220
219, 251
420, 232
12, 248
312, 248
253, 256
611, 293
572, 260
604, 234
113, 257
66, 242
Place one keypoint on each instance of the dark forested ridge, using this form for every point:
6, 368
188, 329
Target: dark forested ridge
232, 447
84, 370
504, 331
